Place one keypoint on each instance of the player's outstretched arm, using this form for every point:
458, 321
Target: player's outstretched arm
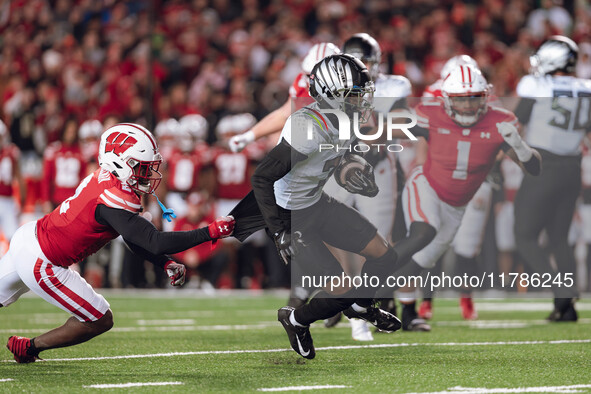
137, 230
273, 167
270, 124
518, 150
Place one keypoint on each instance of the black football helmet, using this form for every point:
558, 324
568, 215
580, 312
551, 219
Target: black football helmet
558, 53
343, 82
365, 48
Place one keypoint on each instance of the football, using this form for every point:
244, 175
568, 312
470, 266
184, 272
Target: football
355, 174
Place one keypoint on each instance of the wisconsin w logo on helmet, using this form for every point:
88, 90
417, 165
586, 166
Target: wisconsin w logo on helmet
118, 143
129, 151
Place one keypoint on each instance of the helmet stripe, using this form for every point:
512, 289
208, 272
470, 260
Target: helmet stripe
462, 69
150, 137
349, 75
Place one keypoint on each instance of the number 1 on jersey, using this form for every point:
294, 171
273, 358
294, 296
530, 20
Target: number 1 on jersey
461, 171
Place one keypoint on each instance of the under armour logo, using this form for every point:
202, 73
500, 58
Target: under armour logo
484, 135
223, 228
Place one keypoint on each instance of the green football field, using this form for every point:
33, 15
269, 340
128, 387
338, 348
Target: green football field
178, 341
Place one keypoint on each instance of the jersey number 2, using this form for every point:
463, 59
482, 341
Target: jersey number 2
66, 204
461, 171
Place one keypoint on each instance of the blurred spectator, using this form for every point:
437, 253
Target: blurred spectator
205, 262
63, 168
155, 62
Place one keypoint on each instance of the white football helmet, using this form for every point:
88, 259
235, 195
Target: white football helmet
90, 129
129, 151
454, 62
558, 53
196, 125
317, 53
166, 128
465, 93
231, 125
343, 82
4, 135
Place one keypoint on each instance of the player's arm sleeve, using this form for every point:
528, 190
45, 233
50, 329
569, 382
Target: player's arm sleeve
273, 167
524, 109
533, 166
140, 232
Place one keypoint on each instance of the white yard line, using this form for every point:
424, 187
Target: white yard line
301, 388
125, 385
6, 380
349, 347
217, 327
542, 389
146, 325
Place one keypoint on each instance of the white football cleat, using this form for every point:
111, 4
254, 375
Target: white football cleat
360, 331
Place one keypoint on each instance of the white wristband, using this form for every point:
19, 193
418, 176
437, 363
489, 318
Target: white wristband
249, 136
523, 152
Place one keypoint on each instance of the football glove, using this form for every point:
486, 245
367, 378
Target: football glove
239, 142
511, 136
176, 272
221, 227
288, 244
356, 176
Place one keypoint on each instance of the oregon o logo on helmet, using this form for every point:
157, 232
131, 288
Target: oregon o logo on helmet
345, 129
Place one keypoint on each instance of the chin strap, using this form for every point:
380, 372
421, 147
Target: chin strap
167, 213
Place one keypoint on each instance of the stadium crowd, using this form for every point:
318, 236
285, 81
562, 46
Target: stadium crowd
198, 72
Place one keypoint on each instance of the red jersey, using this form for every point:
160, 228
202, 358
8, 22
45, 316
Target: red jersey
71, 233
63, 168
9, 157
233, 171
183, 170
434, 90
299, 87
298, 91
459, 158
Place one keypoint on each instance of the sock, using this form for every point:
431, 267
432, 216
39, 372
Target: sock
408, 313
359, 308
32, 350
322, 307
382, 266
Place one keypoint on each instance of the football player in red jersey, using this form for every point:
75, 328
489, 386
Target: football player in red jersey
273, 122
468, 241
63, 167
464, 135
9, 175
105, 205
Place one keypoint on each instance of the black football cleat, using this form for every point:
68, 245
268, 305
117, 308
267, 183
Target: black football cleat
564, 310
299, 337
417, 325
383, 320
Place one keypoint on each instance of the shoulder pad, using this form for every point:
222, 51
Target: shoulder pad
119, 198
